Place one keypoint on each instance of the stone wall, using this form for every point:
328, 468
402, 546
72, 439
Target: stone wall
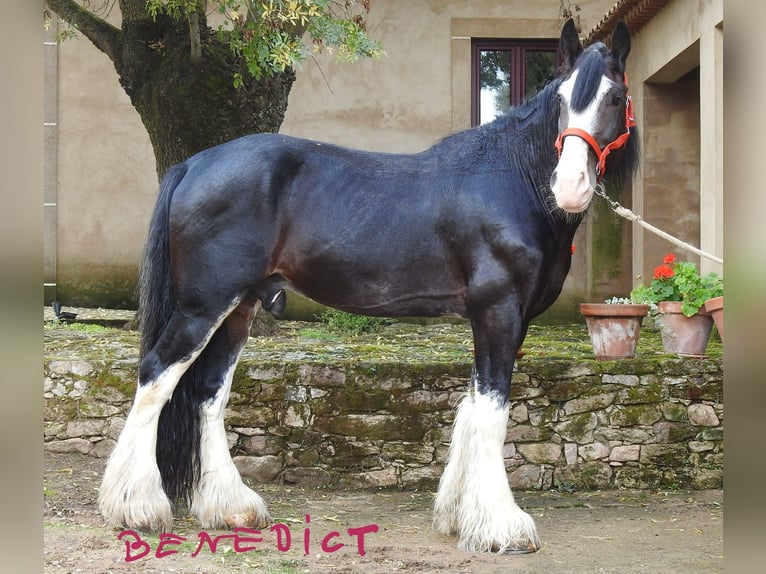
573, 425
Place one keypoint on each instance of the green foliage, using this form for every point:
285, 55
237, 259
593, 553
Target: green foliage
176, 8
350, 323
679, 282
268, 35
618, 301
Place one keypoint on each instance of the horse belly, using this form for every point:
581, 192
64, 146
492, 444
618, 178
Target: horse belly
381, 276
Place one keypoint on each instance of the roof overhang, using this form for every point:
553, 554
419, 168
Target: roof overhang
635, 13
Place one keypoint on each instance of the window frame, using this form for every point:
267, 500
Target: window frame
518, 48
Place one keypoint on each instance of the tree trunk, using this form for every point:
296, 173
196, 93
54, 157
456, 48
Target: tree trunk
185, 106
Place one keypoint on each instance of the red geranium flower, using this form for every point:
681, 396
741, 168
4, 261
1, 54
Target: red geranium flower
669, 259
663, 272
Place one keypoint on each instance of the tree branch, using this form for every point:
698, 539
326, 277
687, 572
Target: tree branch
195, 54
103, 35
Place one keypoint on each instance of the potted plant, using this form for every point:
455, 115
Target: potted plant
714, 306
676, 297
613, 327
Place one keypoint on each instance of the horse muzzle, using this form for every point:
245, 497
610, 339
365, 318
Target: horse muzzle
573, 181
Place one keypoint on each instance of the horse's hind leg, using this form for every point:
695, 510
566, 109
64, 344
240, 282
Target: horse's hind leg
131, 492
221, 499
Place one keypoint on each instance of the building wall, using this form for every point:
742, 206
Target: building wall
677, 82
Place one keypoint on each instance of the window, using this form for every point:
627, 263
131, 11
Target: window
507, 73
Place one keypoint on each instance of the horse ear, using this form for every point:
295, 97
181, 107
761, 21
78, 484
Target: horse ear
570, 44
621, 41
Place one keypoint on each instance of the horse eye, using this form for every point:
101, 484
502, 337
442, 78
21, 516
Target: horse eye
617, 100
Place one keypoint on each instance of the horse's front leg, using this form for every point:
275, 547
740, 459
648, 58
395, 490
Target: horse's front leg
474, 500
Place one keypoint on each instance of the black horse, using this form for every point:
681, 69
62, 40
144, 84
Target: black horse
480, 226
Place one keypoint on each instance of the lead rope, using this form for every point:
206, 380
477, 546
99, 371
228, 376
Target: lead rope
630, 216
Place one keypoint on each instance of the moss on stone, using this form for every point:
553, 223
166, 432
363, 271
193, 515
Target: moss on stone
651, 393
361, 400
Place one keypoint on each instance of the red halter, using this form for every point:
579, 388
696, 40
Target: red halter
601, 154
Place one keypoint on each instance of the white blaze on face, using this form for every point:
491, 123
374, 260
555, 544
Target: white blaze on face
574, 178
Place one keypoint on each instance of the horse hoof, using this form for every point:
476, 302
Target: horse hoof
531, 549
245, 520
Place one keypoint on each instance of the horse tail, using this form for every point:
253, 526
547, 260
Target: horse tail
178, 432
156, 299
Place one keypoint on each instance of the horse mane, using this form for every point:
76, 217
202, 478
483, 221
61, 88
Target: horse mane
590, 69
531, 126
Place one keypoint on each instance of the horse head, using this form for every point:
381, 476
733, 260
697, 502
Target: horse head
596, 116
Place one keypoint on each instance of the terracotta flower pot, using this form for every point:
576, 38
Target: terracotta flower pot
613, 328
714, 306
682, 335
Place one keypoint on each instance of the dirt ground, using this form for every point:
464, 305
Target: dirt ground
590, 532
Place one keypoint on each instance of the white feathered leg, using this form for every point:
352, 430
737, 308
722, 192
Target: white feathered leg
131, 492
474, 500
221, 499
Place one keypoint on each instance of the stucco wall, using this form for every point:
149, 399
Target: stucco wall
677, 84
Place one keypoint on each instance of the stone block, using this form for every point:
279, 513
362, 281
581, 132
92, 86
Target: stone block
424, 476
261, 445
703, 415
635, 415
588, 404
570, 453
113, 430
525, 477
626, 380
527, 433
664, 454
250, 417
310, 477
675, 412
705, 478
321, 376
644, 394
593, 451
520, 413
713, 434
70, 445
407, 452
520, 393
296, 394
380, 478
626, 435
259, 468
265, 373
103, 448
701, 446
540, 453
625, 453
85, 427
667, 432
97, 409
359, 400
578, 429
426, 401
585, 476
541, 417
382, 427
563, 390
298, 416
